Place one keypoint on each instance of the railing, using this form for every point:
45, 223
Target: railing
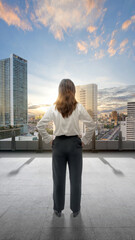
40, 146
7, 133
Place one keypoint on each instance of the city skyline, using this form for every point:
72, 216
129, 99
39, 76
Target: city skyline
116, 98
89, 42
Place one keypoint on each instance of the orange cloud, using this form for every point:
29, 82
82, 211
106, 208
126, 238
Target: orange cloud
62, 15
58, 34
95, 43
122, 46
82, 46
114, 33
27, 6
133, 18
100, 54
91, 29
123, 43
89, 5
112, 43
122, 50
10, 16
128, 22
111, 51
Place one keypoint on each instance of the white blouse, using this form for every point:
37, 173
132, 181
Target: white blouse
66, 126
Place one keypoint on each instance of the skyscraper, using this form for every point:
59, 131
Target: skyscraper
13, 91
87, 96
130, 120
5, 92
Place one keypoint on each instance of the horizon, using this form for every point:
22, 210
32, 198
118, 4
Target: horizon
124, 93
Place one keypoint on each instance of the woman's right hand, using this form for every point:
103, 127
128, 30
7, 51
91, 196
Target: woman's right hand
80, 136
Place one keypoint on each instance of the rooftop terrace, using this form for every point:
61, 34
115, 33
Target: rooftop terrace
107, 204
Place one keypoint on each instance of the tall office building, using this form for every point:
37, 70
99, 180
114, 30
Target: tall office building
87, 96
130, 120
13, 91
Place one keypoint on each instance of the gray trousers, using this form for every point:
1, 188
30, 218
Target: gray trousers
67, 149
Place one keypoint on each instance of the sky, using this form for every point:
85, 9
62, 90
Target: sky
88, 41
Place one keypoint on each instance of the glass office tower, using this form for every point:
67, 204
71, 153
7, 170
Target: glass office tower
5, 92
13, 91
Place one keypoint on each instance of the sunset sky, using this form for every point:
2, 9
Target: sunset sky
88, 41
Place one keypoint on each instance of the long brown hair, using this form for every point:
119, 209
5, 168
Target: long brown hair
66, 102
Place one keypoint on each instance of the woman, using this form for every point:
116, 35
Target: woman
67, 145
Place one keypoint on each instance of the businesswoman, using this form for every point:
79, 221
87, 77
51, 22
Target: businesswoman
67, 144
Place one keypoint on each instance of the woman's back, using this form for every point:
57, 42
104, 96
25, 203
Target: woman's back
66, 126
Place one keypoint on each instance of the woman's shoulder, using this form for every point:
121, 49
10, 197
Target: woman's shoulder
53, 107
79, 105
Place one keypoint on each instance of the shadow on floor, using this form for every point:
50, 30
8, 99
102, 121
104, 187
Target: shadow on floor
115, 171
14, 172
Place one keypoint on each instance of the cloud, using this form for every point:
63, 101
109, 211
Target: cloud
82, 46
123, 43
122, 50
112, 51
11, 17
58, 34
114, 33
96, 41
128, 22
109, 109
134, 43
38, 106
100, 54
111, 45
89, 5
91, 29
59, 16
122, 46
63, 15
115, 98
133, 18
27, 6
33, 106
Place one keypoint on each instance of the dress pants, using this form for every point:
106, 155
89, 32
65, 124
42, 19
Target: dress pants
67, 149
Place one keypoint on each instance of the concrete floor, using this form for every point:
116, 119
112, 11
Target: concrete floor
107, 204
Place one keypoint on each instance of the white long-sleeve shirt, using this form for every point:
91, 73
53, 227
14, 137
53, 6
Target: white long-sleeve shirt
66, 126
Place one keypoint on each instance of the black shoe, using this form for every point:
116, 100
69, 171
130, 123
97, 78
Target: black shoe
58, 213
75, 213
